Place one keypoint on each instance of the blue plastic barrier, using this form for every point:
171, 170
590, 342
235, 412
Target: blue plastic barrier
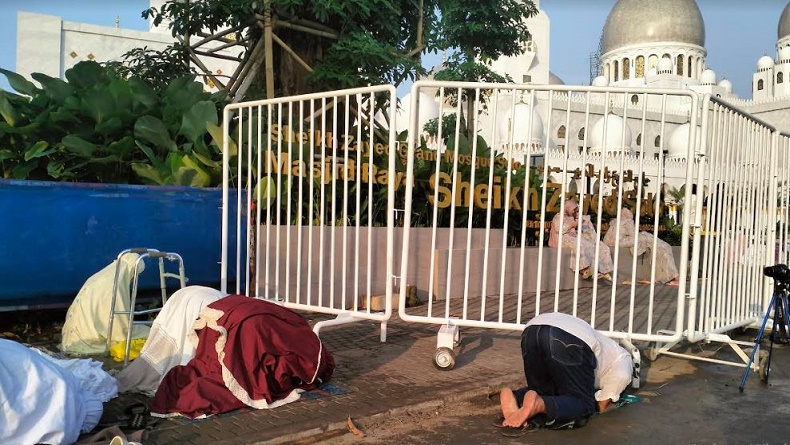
54, 236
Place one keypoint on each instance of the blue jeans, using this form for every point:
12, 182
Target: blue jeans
560, 367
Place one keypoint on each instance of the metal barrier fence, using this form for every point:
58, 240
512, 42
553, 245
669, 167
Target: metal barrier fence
310, 176
474, 206
734, 227
497, 186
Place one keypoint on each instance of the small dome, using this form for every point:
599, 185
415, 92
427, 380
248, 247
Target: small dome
526, 126
665, 65
783, 30
555, 79
600, 81
617, 138
428, 108
765, 62
726, 84
679, 142
708, 77
646, 21
784, 54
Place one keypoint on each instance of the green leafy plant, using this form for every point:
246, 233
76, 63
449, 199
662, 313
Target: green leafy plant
97, 126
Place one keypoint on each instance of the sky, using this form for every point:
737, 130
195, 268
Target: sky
738, 32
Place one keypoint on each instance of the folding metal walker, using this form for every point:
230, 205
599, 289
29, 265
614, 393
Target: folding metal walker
131, 313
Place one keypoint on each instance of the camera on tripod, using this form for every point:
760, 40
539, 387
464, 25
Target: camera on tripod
779, 272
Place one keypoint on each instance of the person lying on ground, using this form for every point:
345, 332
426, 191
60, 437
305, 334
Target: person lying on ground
571, 369
172, 340
587, 240
250, 353
642, 242
42, 403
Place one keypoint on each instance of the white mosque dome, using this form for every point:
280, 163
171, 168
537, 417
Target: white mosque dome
428, 108
617, 138
783, 30
679, 141
600, 81
555, 79
764, 63
726, 84
527, 128
647, 21
708, 77
665, 66
784, 54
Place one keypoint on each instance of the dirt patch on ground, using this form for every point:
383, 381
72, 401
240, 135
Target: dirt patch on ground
38, 328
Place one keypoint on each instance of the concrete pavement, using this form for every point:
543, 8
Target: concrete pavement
377, 381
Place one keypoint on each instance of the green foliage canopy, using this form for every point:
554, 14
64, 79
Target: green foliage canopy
361, 42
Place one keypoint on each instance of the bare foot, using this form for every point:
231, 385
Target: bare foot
672, 282
507, 400
533, 404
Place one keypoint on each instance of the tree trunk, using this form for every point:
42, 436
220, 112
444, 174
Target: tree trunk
291, 78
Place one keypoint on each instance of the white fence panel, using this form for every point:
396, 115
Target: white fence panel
313, 178
483, 192
732, 204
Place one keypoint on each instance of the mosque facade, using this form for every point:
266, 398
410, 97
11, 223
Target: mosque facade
662, 50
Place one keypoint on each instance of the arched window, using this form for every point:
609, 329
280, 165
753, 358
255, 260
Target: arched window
581, 134
640, 67
690, 63
780, 77
658, 141
652, 61
573, 189
616, 75
679, 64
626, 68
561, 132
634, 99
639, 140
760, 84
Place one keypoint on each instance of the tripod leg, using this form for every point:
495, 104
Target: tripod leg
765, 366
757, 342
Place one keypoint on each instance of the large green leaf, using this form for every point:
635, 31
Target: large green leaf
121, 92
109, 127
7, 110
79, 146
157, 163
142, 93
216, 134
19, 83
98, 103
22, 170
39, 149
149, 174
186, 176
121, 148
265, 192
57, 89
201, 178
194, 121
86, 74
151, 129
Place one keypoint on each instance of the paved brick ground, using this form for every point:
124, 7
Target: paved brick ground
378, 378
